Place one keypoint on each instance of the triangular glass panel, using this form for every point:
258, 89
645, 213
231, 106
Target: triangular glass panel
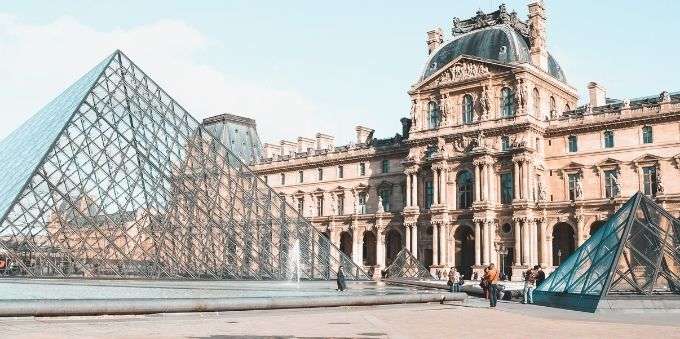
406, 266
114, 179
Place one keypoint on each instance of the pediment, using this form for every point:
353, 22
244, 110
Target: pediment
573, 165
460, 69
608, 162
646, 158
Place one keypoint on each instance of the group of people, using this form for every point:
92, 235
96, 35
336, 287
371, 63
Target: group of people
533, 277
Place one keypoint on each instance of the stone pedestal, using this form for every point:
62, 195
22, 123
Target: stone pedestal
517, 272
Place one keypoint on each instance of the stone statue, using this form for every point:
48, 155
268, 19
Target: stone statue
659, 181
617, 186
484, 103
414, 108
542, 194
665, 96
311, 211
479, 140
381, 208
334, 204
578, 188
626, 103
588, 109
521, 94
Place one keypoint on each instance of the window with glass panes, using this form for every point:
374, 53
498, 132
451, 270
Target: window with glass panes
429, 193
320, 174
362, 169
468, 109
505, 143
608, 139
647, 136
433, 115
385, 166
464, 188
319, 206
301, 205
573, 143
362, 203
283, 179
649, 180
341, 204
507, 102
506, 187
611, 189
301, 176
341, 173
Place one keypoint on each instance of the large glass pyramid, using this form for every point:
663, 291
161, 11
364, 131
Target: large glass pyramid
636, 253
406, 266
114, 179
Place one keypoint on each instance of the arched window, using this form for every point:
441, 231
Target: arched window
433, 114
507, 102
537, 103
464, 182
468, 105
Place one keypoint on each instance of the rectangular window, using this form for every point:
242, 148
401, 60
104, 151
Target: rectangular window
573, 144
429, 194
301, 205
320, 170
266, 179
608, 139
362, 203
301, 176
505, 143
341, 204
283, 179
385, 166
386, 194
341, 172
362, 169
319, 206
650, 180
611, 187
506, 187
573, 183
647, 136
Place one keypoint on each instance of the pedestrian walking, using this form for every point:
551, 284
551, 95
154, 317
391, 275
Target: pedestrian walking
341, 279
529, 285
484, 284
540, 275
492, 276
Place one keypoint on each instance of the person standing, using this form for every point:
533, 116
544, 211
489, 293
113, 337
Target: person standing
454, 280
491, 276
341, 279
529, 285
484, 284
540, 275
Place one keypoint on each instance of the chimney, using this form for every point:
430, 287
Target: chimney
597, 95
324, 141
434, 39
537, 35
364, 134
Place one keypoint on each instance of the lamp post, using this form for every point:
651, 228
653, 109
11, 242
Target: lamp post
502, 251
559, 256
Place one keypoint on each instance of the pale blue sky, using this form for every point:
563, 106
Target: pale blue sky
328, 66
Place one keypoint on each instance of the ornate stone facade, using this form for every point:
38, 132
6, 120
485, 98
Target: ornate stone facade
496, 164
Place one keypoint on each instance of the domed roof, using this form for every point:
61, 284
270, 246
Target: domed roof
499, 42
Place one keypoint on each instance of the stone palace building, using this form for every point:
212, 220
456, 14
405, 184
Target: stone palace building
497, 162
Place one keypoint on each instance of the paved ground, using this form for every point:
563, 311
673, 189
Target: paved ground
472, 320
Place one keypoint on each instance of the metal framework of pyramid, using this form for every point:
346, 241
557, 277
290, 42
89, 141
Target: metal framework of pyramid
635, 254
405, 265
114, 179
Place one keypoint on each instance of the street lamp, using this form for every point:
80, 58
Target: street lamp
559, 256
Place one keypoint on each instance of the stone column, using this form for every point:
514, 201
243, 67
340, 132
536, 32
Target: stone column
550, 251
435, 244
477, 183
435, 186
380, 248
487, 241
580, 230
542, 241
443, 176
357, 249
489, 182
408, 189
407, 234
414, 240
525, 180
478, 244
525, 242
492, 248
452, 249
533, 242
518, 246
442, 244
414, 183
530, 181
515, 177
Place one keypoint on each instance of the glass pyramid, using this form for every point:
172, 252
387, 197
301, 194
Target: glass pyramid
635, 253
114, 179
405, 265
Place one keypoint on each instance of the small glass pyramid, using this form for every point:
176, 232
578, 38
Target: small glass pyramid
635, 253
405, 265
114, 179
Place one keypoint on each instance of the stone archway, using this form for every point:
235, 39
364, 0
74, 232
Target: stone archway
393, 245
346, 243
464, 250
369, 249
564, 242
595, 226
